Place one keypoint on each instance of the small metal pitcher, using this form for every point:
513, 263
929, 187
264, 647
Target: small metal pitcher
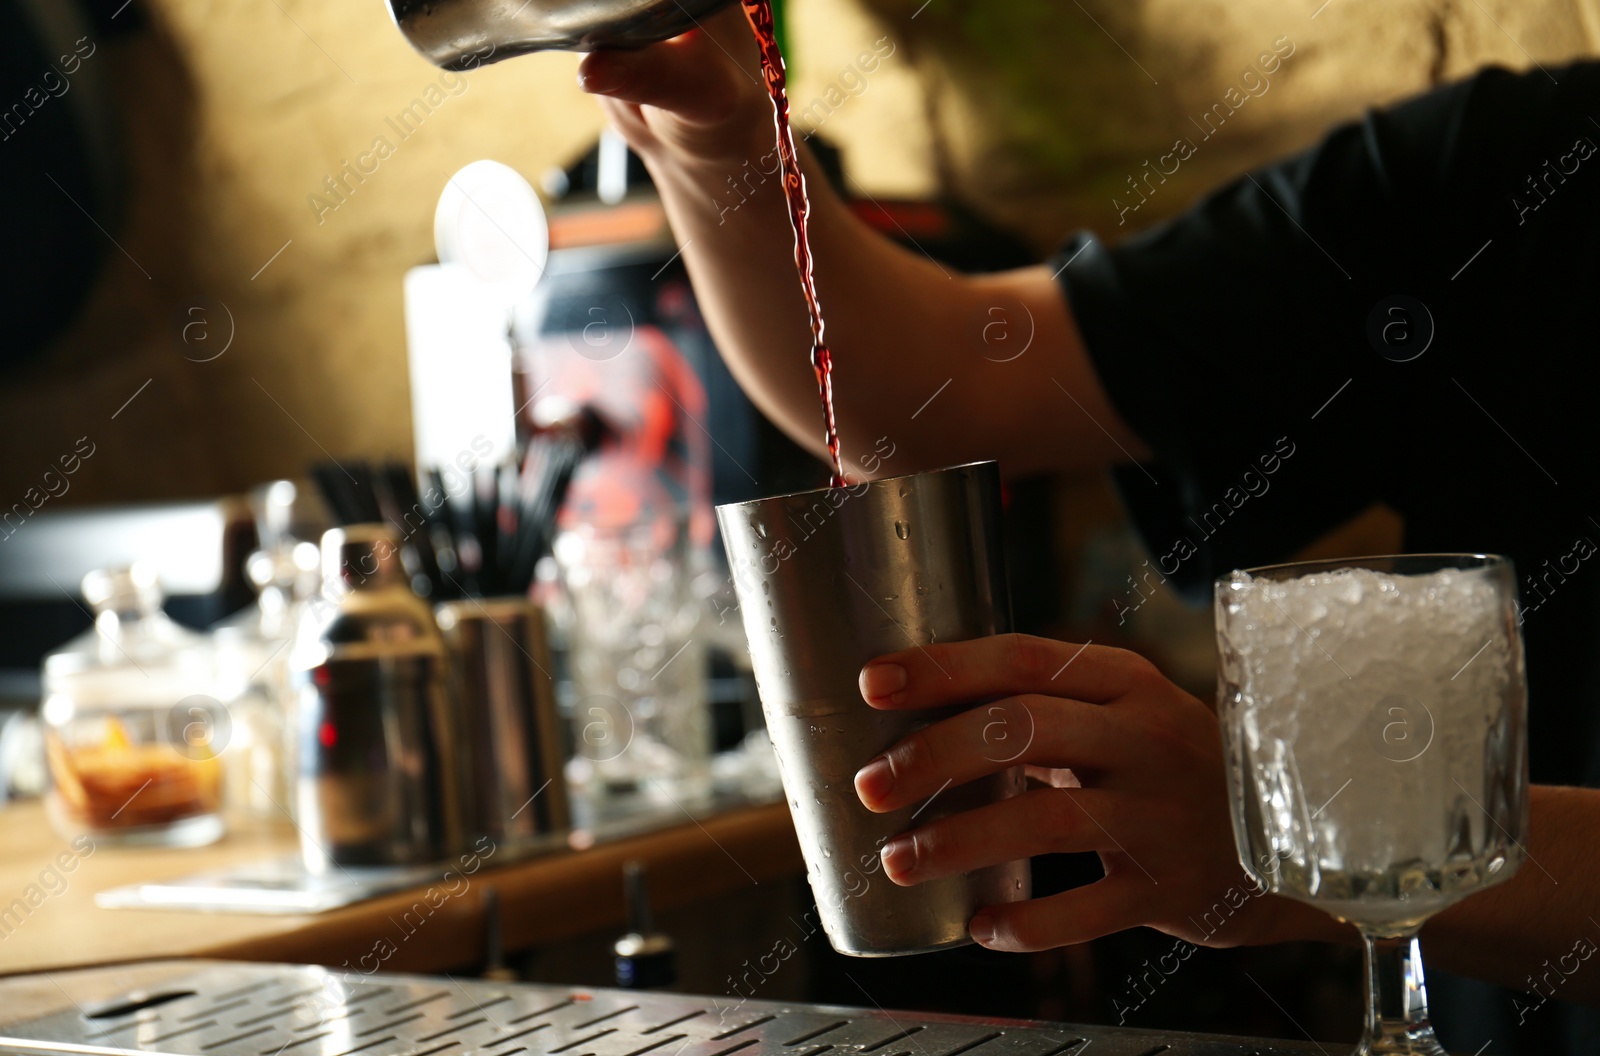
463, 34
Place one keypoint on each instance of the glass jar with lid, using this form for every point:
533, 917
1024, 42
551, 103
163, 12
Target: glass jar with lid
132, 731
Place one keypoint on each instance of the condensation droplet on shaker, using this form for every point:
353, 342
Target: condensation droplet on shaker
902, 529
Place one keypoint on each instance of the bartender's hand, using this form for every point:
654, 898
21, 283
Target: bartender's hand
698, 96
1153, 800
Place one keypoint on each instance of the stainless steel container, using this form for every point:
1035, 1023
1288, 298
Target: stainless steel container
462, 34
378, 779
511, 738
828, 580
221, 1008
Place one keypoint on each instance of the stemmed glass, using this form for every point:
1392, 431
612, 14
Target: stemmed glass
1374, 716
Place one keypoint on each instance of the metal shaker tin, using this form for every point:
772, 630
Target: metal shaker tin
828, 580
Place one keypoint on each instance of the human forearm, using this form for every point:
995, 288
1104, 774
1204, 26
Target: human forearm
1537, 931
900, 328
945, 367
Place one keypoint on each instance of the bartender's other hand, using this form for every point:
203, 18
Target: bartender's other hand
700, 94
1133, 770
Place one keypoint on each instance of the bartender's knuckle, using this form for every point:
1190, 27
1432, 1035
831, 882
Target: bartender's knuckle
913, 756
1029, 932
1162, 739
1059, 814
1027, 655
1136, 668
1002, 718
930, 845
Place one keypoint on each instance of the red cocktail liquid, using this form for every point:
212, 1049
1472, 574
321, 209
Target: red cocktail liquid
759, 12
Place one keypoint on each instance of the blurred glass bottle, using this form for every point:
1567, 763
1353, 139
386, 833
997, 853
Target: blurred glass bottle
252, 656
132, 728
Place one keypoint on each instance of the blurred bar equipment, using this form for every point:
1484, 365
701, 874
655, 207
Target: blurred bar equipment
252, 657
644, 958
44, 1013
379, 778
611, 336
132, 732
198, 549
831, 579
637, 659
511, 737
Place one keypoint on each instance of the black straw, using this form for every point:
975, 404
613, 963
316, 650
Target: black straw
485, 543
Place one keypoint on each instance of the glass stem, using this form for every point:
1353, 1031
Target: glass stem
1397, 996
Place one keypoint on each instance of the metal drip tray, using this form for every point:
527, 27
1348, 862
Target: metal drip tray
198, 1008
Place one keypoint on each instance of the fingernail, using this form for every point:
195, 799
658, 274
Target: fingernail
981, 929
900, 857
883, 682
875, 781
601, 76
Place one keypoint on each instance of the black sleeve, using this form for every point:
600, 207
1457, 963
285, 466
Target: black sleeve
1232, 338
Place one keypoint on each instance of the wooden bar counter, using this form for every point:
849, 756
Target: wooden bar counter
49, 919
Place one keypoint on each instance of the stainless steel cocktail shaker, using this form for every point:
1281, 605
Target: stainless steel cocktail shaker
378, 777
506, 706
828, 580
462, 34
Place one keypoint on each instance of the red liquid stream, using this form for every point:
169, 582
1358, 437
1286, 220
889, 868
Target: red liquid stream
759, 12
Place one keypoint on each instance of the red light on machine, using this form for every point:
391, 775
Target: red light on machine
327, 736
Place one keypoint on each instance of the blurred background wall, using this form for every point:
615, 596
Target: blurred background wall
231, 115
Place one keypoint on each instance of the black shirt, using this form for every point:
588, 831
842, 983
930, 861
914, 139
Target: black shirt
1406, 314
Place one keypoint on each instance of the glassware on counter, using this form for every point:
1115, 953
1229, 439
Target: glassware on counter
252, 657
1374, 715
132, 731
24, 773
637, 659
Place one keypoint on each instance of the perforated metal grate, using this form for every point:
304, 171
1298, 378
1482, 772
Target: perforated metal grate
270, 1010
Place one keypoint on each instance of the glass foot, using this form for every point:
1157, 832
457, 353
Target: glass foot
1402, 1042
